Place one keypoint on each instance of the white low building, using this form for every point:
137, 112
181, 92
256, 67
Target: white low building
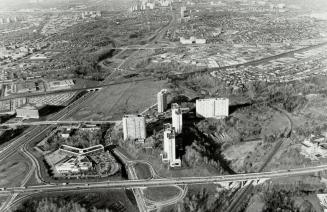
74, 165
60, 85
192, 40
29, 111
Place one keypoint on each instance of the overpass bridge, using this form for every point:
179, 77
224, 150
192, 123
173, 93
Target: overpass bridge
118, 184
37, 123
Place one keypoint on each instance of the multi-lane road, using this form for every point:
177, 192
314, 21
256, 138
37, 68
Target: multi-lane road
35, 133
59, 122
32, 133
165, 181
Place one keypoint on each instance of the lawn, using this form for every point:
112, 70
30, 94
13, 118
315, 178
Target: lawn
238, 152
161, 193
13, 170
142, 171
111, 103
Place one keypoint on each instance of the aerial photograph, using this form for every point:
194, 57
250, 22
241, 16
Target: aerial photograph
163, 105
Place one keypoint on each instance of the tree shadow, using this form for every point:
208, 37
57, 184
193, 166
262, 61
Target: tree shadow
233, 108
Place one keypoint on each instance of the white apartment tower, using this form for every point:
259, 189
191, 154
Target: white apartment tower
162, 100
183, 9
177, 118
134, 127
212, 108
169, 154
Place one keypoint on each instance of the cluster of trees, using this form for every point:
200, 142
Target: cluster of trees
82, 55
85, 64
9, 134
79, 138
193, 158
283, 199
249, 126
289, 96
204, 151
311, 128
56, 204
203, 201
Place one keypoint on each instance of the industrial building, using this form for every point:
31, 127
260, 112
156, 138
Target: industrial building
29, 111
169, 154
59, 85
212, 108
192, 40
162, 100
177, 118
134, 127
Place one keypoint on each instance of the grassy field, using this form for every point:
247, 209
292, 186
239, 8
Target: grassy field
115, 101
15, 167
142, 171
238, 152
161, 193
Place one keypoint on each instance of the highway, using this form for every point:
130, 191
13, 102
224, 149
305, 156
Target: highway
59, 122
166, 181
34, 132
138, 194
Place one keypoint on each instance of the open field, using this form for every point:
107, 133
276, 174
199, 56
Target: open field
15, 167
115, 101
238, 152
142, 171
161, 193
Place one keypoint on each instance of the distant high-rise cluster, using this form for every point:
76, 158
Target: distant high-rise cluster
212, 108
134, 127
140, 5
7, 20
162, 100
36, 1
169, 154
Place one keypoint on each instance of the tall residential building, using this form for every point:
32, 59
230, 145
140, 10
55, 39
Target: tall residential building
134, 127
212, 108
177, 118
169, 154
183, 9
162, 100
